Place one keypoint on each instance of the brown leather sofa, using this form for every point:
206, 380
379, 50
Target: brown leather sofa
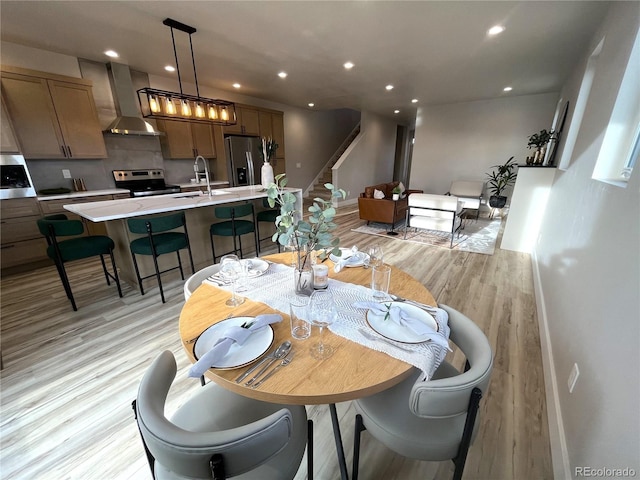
383, 210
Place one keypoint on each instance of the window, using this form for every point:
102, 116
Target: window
619, 151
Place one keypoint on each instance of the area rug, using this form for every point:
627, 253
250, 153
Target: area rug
477, 236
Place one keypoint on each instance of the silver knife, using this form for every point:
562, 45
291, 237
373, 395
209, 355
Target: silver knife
285, 346
285, 361
278, 355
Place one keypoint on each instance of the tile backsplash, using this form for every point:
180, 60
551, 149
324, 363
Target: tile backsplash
124, 152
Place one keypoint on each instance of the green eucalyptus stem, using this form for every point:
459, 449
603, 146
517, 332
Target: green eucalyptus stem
305, 235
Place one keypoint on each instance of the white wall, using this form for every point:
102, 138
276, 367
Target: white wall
369, 160
462, 141
589, 261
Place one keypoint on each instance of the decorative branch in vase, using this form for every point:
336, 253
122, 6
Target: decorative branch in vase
267, 152
305, 236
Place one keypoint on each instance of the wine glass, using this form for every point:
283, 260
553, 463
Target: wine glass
230, 268
375, 255
322, 312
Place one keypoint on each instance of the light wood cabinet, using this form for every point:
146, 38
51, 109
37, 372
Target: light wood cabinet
277, 127
186, 139
53, 116
8, 141
21, 241
248, 122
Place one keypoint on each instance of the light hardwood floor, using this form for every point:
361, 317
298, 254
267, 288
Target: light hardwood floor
69, 377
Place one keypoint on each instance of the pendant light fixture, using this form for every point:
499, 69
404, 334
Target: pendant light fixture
180, 106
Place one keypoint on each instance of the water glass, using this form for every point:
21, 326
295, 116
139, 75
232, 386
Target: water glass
380, 280
299, 314
231, 269
322, 312
375, 255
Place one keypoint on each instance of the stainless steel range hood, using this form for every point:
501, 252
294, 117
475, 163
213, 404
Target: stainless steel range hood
129, 120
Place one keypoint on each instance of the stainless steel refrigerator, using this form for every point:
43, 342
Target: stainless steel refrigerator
243, 160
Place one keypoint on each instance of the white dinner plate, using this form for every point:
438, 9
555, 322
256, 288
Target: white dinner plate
258, 267
390, 329
360, 257
238, 355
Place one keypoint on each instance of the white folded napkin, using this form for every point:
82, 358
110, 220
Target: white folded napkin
350, 258
234, 334
403, 318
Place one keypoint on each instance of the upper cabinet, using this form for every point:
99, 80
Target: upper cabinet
186, 139
8, 141
53, 116
248, 122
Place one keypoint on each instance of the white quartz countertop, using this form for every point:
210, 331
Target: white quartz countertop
88, 193
138, 206
213, 183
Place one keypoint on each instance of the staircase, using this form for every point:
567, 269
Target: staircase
318, 190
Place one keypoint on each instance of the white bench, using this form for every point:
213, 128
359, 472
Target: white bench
434, 212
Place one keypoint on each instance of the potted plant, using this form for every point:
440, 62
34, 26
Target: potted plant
396, 193
500, 178
304, 237
539, 141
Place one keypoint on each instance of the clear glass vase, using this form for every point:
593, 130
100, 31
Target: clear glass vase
302, 272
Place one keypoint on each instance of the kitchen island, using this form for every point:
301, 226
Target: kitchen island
199, 211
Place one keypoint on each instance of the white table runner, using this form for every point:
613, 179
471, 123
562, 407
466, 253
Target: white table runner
276, 289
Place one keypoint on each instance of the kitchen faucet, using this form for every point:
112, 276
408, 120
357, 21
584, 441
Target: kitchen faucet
206, 171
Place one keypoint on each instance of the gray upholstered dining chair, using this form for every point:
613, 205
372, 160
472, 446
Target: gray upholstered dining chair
197, 278
218, 434
432, 420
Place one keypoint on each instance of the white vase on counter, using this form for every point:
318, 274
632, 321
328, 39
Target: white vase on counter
267, 175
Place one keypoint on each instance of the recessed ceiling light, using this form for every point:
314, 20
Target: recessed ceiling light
169, 68
396, 111
495, 30
348, 65
507, 89
389, 87
282, 74
236, 85
415, 100
312, 104
111, 53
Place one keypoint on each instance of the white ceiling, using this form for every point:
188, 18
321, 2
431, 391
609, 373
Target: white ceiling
437, 52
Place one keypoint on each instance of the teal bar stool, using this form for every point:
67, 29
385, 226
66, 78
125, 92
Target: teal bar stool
269, 216
158, 241
234, 227
63, 251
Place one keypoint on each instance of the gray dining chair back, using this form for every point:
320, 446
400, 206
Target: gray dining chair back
195, 280
216, 433
437, 419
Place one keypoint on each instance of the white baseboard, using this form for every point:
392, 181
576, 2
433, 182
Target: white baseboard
559, 452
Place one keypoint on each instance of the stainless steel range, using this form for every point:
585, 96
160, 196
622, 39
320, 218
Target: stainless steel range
142, 183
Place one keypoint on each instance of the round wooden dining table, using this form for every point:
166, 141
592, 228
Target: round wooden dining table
353, 371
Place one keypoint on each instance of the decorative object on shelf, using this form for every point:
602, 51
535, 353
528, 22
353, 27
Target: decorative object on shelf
267, 152
539, 141
396, 193
500, 178
305, 238
554, 142
180, 106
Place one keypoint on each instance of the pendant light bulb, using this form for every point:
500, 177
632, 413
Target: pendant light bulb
154, 104
199, 110
169, 106
224, 115
185, 108
212, 112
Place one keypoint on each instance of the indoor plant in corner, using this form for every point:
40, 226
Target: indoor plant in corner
305, 236
501, 177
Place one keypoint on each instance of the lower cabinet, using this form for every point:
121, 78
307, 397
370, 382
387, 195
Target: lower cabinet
23, 246
21, 240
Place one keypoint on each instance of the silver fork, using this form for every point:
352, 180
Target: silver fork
285, 361
376, 338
